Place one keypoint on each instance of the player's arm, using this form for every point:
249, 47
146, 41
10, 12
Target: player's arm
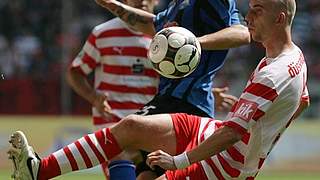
139, 20
220, 140
79, 83
233, 36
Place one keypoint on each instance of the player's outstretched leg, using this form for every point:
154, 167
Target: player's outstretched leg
86, 152
25, 162
133, 132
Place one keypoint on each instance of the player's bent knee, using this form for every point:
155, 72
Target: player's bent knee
132, 121
132, 117
130, 125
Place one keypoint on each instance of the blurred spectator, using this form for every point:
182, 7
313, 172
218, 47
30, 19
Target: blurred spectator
27, 47
7, 59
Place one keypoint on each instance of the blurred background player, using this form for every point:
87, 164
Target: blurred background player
275, 94
217, 23
124, 80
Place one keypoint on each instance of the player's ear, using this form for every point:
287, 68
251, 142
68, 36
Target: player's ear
281, 19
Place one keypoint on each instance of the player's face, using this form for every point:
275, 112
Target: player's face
260, 19
147, 5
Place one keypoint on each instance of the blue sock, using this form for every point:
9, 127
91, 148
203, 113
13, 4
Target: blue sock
122, 170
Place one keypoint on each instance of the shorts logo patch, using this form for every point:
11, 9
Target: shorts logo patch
145, 110
245, 109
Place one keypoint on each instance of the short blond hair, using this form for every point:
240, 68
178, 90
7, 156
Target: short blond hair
289, 6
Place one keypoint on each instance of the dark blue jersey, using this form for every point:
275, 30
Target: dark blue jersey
200, 17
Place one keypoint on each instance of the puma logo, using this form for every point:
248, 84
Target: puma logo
118, 49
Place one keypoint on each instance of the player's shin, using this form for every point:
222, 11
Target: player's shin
86, 152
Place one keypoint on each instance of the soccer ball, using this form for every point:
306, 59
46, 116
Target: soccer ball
174, 52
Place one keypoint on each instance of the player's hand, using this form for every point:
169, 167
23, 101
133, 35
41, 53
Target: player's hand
162, 159
100, 102
223, 101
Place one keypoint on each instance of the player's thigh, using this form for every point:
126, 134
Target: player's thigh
147, 133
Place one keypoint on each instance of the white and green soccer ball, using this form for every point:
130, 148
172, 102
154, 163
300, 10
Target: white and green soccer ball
174, 52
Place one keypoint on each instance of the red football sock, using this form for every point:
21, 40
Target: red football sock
49, 168
86, 152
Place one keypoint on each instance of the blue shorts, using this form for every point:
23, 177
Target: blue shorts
167, 104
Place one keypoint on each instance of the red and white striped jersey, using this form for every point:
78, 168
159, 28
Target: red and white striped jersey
262, 113
118, 57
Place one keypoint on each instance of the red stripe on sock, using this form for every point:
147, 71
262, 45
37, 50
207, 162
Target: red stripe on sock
71, 159
108, 143
84, 155
95, 150
49, 168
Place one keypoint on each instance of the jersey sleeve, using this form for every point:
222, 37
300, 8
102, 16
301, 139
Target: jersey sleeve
88, 58
159, 20
255, 100
235, 15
